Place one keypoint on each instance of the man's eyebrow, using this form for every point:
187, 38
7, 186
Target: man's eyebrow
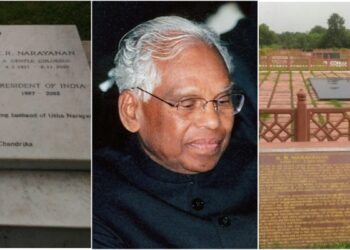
227, 88
190, 90
183, 91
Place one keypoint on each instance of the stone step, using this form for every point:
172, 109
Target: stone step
45, 198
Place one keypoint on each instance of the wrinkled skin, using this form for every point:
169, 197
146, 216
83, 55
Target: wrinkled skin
187, 144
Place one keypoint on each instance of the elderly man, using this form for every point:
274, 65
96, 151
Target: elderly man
174, 186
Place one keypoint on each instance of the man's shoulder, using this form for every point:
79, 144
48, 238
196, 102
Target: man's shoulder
110, 159
242, 154
108, 165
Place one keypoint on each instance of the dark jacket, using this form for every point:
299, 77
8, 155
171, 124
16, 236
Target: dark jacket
139, 204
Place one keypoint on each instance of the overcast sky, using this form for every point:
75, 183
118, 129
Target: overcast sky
300, 17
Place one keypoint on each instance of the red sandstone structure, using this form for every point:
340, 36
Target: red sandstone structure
288, 105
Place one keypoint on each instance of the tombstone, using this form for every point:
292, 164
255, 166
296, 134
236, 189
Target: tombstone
44, 97
331, 88
304, 194
45, 123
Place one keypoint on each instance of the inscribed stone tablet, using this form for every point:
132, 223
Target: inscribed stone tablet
44, 95
331, 88
304, 196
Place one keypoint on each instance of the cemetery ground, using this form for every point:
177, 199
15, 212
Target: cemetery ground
279, 90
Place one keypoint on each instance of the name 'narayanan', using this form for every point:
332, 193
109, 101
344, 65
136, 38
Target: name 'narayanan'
46, 53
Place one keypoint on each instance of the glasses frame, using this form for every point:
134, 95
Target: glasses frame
214, 101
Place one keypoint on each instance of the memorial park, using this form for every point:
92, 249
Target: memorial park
304, 130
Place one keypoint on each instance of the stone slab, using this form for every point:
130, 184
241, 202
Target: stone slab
304, 194
45, 96
45, 198
331, 88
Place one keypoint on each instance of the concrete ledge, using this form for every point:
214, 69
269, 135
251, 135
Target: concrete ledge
305, 147
12, 164
45, 198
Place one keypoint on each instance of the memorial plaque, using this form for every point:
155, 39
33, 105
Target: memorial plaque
304, 194
331, 88
45, 107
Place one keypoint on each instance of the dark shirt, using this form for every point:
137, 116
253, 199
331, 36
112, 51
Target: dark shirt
140, 204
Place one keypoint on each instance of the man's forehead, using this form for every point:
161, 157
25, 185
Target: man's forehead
198, 69
195, 89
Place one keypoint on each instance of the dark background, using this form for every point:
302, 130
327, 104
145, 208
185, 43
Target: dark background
41, 12
111, 20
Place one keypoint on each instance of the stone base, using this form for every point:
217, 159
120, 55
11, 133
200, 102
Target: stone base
45, 208
48, 237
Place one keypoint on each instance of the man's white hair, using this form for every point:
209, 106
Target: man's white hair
159, 39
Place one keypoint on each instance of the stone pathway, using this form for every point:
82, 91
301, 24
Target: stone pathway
278, 90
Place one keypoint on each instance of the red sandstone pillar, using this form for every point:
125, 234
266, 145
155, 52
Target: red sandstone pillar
301, 129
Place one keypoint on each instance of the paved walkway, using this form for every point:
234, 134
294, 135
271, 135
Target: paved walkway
279, 89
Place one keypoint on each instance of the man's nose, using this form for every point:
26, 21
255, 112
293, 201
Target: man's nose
208, 116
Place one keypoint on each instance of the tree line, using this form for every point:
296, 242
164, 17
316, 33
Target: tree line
335, 36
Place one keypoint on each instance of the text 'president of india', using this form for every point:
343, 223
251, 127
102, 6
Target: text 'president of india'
174, 185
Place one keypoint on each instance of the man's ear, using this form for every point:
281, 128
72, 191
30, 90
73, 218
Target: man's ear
128, 105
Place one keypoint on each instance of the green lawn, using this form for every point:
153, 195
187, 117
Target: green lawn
343, 245
340, 245
77, 13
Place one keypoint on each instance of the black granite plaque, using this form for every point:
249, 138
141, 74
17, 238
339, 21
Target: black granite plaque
331, 88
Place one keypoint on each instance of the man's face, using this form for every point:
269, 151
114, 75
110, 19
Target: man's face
193, 143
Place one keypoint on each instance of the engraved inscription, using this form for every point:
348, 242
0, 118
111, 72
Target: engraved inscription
304, 198
45, 89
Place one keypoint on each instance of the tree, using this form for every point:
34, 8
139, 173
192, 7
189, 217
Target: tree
287, 40
347, 38
315, 37
318, 30
266, 36
335, 36
314, 40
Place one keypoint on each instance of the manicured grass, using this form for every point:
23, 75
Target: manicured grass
77, 13
339, 245
301, 68
335, 103
265, 116
342, 245
309, 89
291, 89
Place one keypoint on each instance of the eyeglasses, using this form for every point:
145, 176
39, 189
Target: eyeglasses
230, 103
